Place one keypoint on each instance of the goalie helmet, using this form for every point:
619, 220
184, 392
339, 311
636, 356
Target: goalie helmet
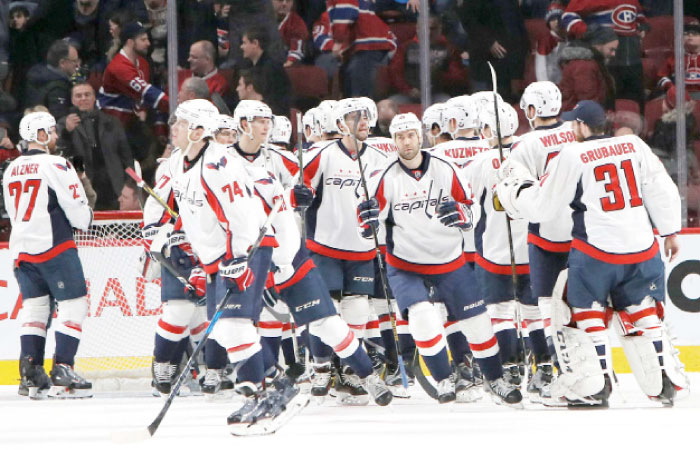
348, 106
281, 130
311, 119
433, 116
326, 116
371, 110
464, 111
544, 96
30, 125
249, 110
404, 122
199, 113
507, 116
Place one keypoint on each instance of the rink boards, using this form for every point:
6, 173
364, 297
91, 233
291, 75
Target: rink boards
124, 306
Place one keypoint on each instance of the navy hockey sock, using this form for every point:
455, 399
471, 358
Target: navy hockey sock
538, 345
288, 351
508, 343
320, 351
359, 362
458, 346
33, 346
252, 369
66, 348
389, 346
270, 351
164, 349
215, 356
439, 365
491, 367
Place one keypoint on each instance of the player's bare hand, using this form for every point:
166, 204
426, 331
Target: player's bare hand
288, 64
72, 121
338, 50
413, 5
671, 247
498, 50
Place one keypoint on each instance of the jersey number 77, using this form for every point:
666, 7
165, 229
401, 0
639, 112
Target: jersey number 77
16, 190
610, 173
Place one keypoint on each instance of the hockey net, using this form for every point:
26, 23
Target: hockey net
124, 303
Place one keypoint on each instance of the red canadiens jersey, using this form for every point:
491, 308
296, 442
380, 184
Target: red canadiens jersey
331, 220
355, 25
45, 200
535, 150
294, 33
216, 81
692, 72
619, 191
408, 199
321, 33
623, 16
126, 87
490, 230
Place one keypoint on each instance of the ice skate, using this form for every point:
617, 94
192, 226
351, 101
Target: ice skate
539, 388
394, 382
321, 381
466, 389
512, 374
216, 385
446, 390
349, 389
504, 393
34, 381
162, 378
379, 391
68, 384
264, 412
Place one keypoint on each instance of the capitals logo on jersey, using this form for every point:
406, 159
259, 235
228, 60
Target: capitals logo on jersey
215, 166
62, 167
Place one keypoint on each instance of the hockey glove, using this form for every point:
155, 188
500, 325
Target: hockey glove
271, 295
236, 274
453, 214
508, 191
301, 197
368, 217
198, 280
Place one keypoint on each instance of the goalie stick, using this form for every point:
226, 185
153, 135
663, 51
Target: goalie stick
380, 262
136, 435
513, 270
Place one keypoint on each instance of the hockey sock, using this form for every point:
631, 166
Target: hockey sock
503, 322
337, 334
214, 355
288, 344
593, 322
321, 352
407, 346
252, 369
33, 346
171, 329
456, 342
71, 314
33, 316
271, 351
66, 348
164, 349
359, 362
180, 350
427, 330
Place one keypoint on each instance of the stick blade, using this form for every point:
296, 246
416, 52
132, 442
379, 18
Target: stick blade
130, 436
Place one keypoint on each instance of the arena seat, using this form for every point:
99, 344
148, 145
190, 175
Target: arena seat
414, 108
308, 81
404, 31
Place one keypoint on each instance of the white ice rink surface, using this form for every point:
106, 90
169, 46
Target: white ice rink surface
632, 422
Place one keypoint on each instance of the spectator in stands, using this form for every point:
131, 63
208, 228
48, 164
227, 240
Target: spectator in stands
292, 29
584, 69
24, 46
7, 148
100, 141
496, 33
323, 45
221, 13
129, 199
386, 110
691, 42
89, 30
196, 23
157, 28
202, 62
49, 84
449, 77
253, 14
192, 88
275, 81
250, 85
362, 41
117, 21
629, 23
549, 47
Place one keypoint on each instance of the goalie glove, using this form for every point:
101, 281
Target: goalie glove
507, 192
368, 217
453, 214
301, 197
236, 274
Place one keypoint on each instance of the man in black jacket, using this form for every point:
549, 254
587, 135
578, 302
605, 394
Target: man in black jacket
100, 141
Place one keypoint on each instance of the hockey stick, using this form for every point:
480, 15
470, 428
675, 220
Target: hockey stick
380, 262
513, 269
126, 436
142, 184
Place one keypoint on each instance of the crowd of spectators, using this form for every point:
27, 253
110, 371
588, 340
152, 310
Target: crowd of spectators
100, 66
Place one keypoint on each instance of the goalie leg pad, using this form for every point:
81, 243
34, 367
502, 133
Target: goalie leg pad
355, 309
426, 326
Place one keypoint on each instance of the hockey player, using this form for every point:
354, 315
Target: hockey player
548, 242
221, 217
281, 134
45, 200
619, 191
384, 144
424, 245
226, 130
299, 283
312, 128
493, 263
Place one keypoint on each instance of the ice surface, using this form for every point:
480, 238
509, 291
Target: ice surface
419, 422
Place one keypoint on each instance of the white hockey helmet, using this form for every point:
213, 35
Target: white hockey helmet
545, 96
507, 116
311, 119
30, 125
484, 100
371, 109
326, 116
464, 110
199, 113
347, 106
250, 110
226, 122
281, 130
433, 116
404, 122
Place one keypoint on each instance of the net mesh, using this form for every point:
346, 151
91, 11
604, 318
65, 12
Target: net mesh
124, 301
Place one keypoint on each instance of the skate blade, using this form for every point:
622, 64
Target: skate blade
552, 402
270, 426
62, 392
399, 391
34, 393
497, 400
221, 396
130, 436
318, 399
352, 400
469, 395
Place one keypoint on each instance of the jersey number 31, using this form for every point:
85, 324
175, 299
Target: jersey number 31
610, 174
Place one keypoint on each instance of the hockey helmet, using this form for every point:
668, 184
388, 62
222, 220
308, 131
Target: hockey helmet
347, 106
281, 130
507, 117
311, 119
199, 113
30, 125
544, 96
404, 122
326, 116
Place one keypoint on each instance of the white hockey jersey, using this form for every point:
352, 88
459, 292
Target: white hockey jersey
408, 199
281, 163
383, 144
615, 186
490, 231
45, 201
535, 151
219, 211
331, 220
154, 214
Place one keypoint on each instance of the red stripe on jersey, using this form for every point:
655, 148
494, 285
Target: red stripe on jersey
401, 323
430, 269
270, 325
47, 255
219, 212
291, 166
211, 268
298, 275
588, 315
484, 345
458, 192
171, 328
557, 247
339, 254
269, 241
239, 348
372, 324
642, 314
429, 343
384, 318
345, 343
199, 328
286, 326
616, 258
469, 257
594, 329
520, 269
311, 168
